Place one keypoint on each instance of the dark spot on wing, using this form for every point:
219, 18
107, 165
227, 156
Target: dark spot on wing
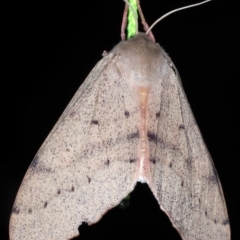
133, 135
189, 161
158, 114
94, 122
206, 213
89, 179
172, 147
38, 166
127, 114
213, 179
182, 183
59, 191
34, 162
170, 165
72, 114
215, 221
152, 160
199, 201
181, 127
107, 162
15, 210
132, 160
29, 210
45, 204
72, 189
225, 222
152, 137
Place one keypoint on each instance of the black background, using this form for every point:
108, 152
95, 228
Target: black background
51, 48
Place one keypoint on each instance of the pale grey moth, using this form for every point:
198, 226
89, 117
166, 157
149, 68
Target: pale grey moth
129, 121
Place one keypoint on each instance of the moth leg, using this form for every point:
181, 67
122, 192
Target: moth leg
144, 23
124, 22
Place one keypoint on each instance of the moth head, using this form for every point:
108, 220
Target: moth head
140, 60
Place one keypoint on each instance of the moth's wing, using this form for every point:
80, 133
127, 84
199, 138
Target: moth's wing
184, 179
86, 165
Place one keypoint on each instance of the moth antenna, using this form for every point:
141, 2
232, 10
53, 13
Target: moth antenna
144, 23
176, 10
134, 15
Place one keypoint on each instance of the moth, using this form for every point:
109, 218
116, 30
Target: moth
129, 121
